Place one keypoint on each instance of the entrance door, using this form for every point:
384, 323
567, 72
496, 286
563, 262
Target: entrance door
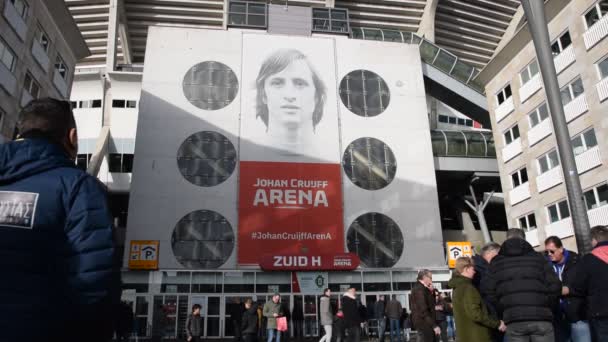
232, 304
311, 320
169, 313
212, 314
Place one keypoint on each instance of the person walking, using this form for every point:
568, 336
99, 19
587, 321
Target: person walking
235, 310
569, 315
423, 308
249, 322
379, 316
592, 282
393, 312
59, 264
272, 311
440, 315
473, 320
339, 326
449, 316
124, 322
523, 286
352, 317
326, 315
194, 324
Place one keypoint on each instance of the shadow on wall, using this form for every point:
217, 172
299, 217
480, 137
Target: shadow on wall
185, 193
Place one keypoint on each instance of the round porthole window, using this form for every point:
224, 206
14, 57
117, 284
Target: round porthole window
202, 239
210, 85
364, 93
376, 239
206, 158
369, 163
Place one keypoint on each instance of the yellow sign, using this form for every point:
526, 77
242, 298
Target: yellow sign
457, 250
143, 255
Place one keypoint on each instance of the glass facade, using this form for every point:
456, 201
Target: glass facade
462, 144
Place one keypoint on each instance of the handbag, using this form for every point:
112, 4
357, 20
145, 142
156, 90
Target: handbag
282, 323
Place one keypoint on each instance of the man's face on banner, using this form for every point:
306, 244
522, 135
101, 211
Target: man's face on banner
290, 96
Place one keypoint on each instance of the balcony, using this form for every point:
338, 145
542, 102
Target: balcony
576, 108
549, 179
602, 89
15, 20
512, 150
539, 132
60, 84
561, 229
25, 98
532, 237
519, 194
504, 109
40, 56
564, 59
588, 160
596, 33
530, 88
7, 80
598, 216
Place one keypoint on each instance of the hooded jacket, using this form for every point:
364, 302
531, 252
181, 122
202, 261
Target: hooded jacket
573, 305
473, 321
521, 284
592, 281
249, 322
56, 247
352, 318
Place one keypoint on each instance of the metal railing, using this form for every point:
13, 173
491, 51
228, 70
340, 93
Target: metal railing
431, 54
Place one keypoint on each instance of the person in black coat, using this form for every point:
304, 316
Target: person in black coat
522, 286
235, 310
569, 313
249, 322
352, 316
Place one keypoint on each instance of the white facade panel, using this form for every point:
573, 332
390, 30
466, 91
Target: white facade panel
539, 132
596, 33
598, 216
530, 88
576, 108
15, 20
564, 59
561, 229
40, 56
512, 150
532, 238
549, 179
7, 80
602, 89
588, 160
519, 194
504, 109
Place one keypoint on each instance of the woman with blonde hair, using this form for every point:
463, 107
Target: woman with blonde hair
473, 322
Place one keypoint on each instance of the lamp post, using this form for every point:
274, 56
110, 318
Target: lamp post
535, 13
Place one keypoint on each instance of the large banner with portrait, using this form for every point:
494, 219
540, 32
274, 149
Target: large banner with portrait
290, 194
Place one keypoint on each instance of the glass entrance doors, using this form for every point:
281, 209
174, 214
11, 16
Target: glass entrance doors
212, 314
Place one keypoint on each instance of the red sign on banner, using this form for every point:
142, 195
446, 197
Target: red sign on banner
323, 262
289, 209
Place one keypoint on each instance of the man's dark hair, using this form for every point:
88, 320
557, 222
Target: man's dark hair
196, 306
46, 118
554, 240
599, 233
513, 233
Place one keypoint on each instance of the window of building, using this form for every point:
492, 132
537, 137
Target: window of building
461, 121
548, 161
7, 57
529, 71
538, 115
83, 160
21, 7
452, 120
561, 43
504, 94
119, 103
596, 12
602, 68
330, 20
572, 91
468, 123
558, 211
31, 86
120, 162
596, 196
131, 104
89, 104
519, 177
61, 68
527, 222
74, 104
511, 134
250, 14
442, 118
584, 141
43, 39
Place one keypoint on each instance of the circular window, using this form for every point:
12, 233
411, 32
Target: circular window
202, 239
206, 158
369, 163
364, 93
376, 239
210, 85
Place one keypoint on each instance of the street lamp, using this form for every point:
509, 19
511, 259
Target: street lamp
535, 13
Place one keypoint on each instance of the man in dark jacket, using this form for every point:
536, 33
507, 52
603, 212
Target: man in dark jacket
569, 314
393, 312
592, 282
235, 310
379, 307
352, 317
194, 324
522, 286
58, 262
249, 322
423, 308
